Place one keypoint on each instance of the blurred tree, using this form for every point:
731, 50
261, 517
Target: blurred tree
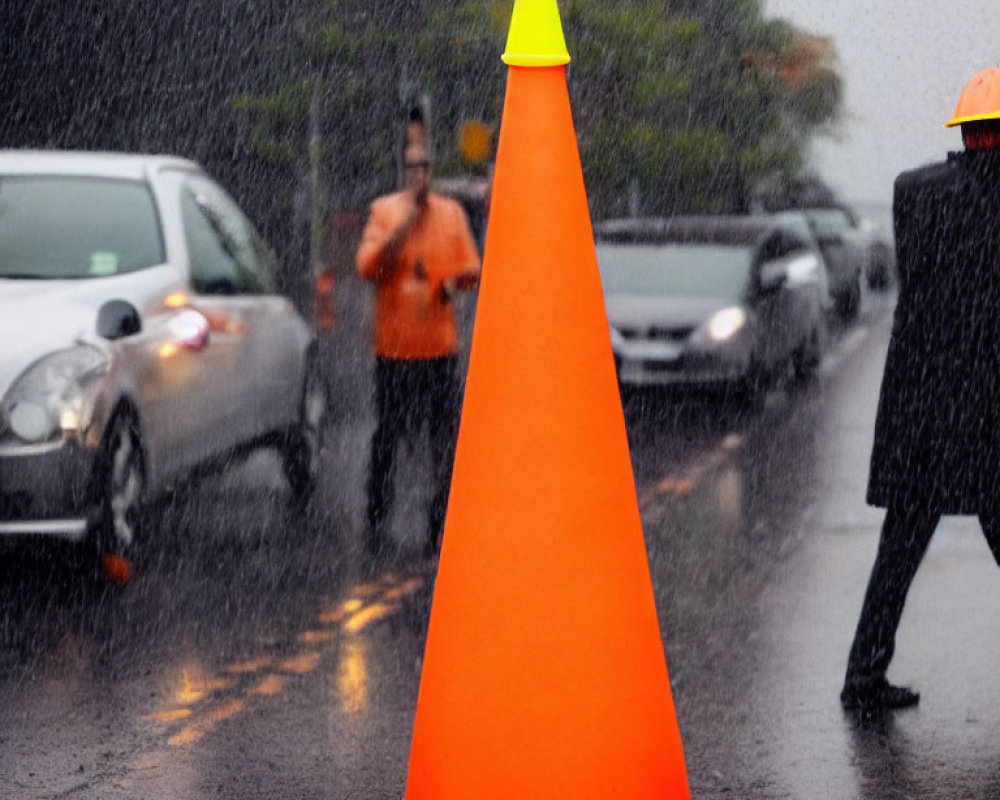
681, 105
299, 106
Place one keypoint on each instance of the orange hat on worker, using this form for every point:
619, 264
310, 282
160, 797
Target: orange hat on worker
980, 100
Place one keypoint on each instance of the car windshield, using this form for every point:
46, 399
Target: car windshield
690, 269
56, 228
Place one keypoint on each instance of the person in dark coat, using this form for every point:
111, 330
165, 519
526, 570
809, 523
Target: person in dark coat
937, 431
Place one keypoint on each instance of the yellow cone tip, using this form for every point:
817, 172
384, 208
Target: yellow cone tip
536, 37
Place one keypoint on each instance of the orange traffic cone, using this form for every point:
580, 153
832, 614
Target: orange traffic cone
544, 674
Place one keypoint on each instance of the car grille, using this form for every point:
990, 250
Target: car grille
673, 334
14, 505
677, 365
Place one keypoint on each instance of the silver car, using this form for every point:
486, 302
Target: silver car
141, 337
719, 301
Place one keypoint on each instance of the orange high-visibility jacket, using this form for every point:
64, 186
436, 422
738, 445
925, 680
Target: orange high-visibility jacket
413, 319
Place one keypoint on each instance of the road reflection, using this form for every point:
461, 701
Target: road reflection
352, 677
202, 700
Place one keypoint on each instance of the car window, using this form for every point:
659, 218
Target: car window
227, 255
67, 227
689, 269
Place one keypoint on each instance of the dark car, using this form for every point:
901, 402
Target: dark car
711, 301
855, 254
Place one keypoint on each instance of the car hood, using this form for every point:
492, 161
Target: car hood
40, 317
642, 311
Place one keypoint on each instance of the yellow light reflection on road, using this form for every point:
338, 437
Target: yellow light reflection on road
368, 589
195, 686
169, 715
403, 590
352, 677
300, 664
729, 491
367, 616
249, 667
196, 731
334, 615
317, 637
269, 687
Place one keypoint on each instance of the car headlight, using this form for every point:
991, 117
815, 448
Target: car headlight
55, 394
725, 324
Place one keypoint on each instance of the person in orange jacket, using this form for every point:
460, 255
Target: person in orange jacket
417, 250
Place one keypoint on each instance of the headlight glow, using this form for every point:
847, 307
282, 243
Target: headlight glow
54, 393
724, 324
31, 422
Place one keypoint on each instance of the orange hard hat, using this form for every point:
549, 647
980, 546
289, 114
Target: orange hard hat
980, 99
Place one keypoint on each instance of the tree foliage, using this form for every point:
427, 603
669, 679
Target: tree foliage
680, 105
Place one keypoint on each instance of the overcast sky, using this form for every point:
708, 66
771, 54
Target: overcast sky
904, 63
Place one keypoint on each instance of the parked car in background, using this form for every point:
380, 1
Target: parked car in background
141, 338
722, 302
880, 263
855, 252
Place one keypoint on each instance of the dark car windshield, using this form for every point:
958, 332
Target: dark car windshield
690, 269
74, 227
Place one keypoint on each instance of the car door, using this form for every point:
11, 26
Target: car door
222, 293
272, 337
783, 287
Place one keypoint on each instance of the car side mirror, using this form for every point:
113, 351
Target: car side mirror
117, 319
773, 275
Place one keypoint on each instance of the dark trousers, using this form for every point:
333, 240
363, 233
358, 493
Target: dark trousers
906, 532
408, 395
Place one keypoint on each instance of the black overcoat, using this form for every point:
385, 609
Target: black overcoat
937, 432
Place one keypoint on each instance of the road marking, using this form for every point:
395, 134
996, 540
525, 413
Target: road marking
269, 687
365, 605
249, 667
368, 615
196, 731
684, 484
169, 715
317, 637
847, 345
301, 664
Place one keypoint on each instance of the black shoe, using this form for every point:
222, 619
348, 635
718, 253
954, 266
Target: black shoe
878, 696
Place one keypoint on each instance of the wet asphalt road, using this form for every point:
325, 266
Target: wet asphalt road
262, 655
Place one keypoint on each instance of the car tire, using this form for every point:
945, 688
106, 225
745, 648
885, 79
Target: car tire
749, 392
122, 521
303, 446
880, 269
809, 355
848, 303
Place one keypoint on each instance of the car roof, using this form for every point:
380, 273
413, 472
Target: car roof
728, 229
126, 166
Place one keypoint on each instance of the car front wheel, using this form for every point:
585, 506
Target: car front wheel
807, 358
123, 495
303, 448
849, 302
